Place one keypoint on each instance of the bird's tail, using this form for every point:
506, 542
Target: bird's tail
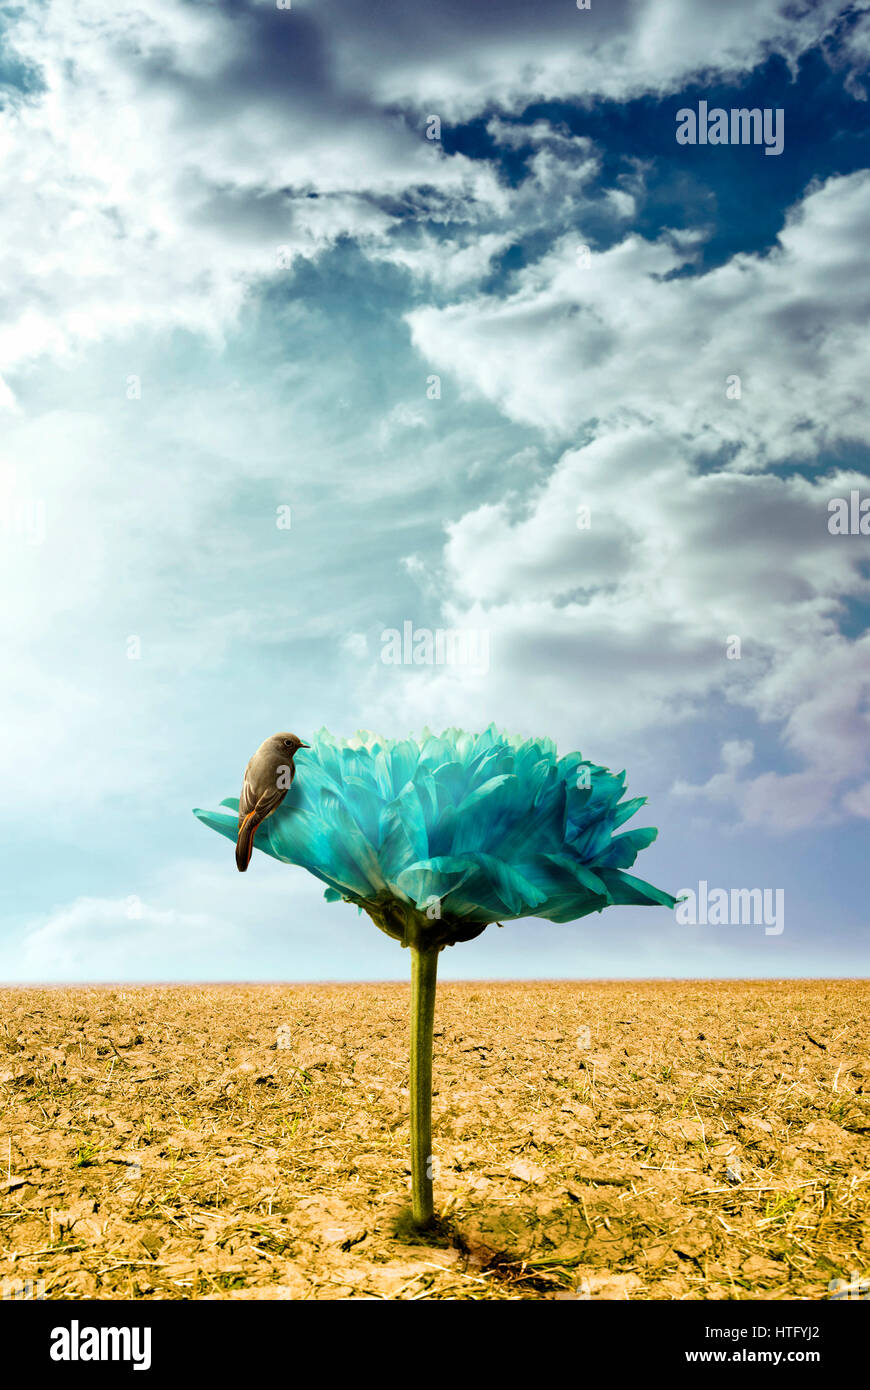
245, 842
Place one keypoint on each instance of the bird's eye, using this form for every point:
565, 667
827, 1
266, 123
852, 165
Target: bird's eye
288, 743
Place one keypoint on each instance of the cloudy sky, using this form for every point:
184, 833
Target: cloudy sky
440, 280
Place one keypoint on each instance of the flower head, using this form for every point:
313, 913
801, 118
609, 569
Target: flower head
485, 826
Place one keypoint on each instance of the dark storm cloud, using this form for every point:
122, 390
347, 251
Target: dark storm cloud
271, 58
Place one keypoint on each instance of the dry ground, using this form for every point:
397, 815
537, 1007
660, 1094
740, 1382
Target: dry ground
641, 1140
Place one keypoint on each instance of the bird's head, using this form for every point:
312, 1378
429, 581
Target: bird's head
287, 745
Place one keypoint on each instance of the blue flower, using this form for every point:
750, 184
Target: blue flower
436, 838
454, 831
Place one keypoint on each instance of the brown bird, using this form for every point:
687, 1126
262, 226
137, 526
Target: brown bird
268, 777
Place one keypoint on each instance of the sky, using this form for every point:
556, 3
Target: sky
322, 320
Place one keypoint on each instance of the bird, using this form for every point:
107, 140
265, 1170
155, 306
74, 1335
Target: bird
268, 777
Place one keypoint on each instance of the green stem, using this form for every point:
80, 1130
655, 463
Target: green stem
424, 969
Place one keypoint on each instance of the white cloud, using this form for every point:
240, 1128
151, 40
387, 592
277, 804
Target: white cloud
689, 543
460, 58
355, 645
112, 939
141, 203
566, 347
722, 786
176, 155
858, 801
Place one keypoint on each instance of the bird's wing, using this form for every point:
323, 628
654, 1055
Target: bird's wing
262, 802
248, 798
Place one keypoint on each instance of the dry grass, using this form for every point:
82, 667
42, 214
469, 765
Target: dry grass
705, 1141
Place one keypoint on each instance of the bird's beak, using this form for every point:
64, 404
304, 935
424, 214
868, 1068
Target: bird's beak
305, 745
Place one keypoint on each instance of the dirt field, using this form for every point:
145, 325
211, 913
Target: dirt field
643, 1141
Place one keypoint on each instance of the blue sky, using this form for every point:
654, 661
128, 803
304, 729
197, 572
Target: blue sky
234, 263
